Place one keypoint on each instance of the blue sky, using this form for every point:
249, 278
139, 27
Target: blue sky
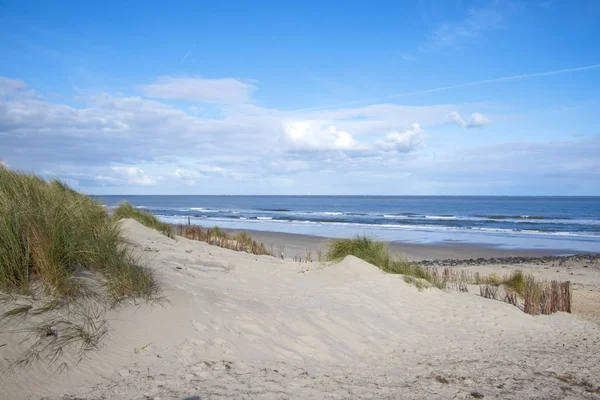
285, 97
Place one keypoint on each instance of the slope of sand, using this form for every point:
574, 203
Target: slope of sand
239, 326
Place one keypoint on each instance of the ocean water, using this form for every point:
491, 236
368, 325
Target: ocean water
569, 223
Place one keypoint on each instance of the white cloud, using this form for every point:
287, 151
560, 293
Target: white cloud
312, 135
3, 164
136, 176
226, 90
187, 177
477, 120
10, 87
403, 142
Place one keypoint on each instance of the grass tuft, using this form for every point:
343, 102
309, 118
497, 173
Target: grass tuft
376, 252
516, 282
126, 210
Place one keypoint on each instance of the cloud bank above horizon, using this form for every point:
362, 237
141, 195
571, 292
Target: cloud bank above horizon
115, 144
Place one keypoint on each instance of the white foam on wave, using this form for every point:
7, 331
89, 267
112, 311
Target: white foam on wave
440, 217
328, 213
264, 218
202, 209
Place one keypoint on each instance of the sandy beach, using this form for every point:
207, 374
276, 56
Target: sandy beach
236, 325
295, 245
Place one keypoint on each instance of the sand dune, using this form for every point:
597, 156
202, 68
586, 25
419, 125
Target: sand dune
243, 326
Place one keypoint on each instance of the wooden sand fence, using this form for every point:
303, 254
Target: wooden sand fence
218, 237
547, 297
534, 296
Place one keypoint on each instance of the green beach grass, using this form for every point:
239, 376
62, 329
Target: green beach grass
377, 253
126, 210
52, 235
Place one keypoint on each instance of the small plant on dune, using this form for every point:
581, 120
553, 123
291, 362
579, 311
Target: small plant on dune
220, 233
376, 253
126, 210
243, 239
494, 279
516, 282
371, 251
419, 283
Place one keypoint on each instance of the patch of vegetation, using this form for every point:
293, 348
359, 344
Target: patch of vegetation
126, 210
371, 251
419, 283
220, 233
52, 235
516, 282
376, 252
240, 241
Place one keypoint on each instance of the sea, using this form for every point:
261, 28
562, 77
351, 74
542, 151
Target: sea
571, 224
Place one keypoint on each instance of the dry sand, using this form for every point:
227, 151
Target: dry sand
239, 326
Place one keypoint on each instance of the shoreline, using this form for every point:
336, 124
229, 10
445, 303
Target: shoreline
296, 245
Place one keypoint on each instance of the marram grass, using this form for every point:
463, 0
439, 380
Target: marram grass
376, 252
126, 210
51, 235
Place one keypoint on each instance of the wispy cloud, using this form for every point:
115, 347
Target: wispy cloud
477, 120
501, 79
186, 56
224, 90
458, 86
